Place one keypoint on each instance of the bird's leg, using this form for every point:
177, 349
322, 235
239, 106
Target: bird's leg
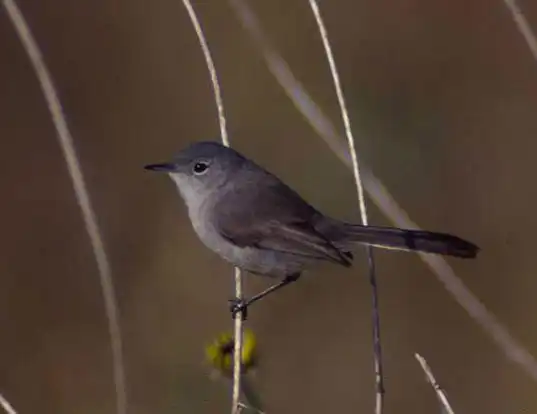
241, 305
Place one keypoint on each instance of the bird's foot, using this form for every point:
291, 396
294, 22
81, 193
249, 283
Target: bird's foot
237, 305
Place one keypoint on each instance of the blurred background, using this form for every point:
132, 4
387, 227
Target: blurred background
442, 97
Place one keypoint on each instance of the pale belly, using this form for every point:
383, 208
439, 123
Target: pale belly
258, 261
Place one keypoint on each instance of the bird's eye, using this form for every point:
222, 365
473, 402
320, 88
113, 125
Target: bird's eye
200, 167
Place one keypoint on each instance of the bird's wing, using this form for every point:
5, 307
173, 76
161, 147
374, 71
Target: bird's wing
273, 217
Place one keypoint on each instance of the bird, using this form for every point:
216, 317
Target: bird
253, 220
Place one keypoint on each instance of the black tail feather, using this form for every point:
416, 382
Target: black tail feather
413, 240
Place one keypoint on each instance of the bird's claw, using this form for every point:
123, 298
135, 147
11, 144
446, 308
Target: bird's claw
238, 305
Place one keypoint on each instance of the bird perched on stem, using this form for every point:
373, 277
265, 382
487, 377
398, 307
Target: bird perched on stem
256, 222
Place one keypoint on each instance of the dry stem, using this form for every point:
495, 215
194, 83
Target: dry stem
522, 25
82, 195
442, 397
8, 408
235, 400
377, 355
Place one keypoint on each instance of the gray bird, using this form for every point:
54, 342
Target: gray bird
256, 222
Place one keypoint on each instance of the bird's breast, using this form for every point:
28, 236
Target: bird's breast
252, 259
201, 218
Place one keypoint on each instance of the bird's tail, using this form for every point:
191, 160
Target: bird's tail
409, 240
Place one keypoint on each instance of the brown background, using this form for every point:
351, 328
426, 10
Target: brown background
444, 94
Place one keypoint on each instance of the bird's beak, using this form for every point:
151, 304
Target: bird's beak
163, 167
